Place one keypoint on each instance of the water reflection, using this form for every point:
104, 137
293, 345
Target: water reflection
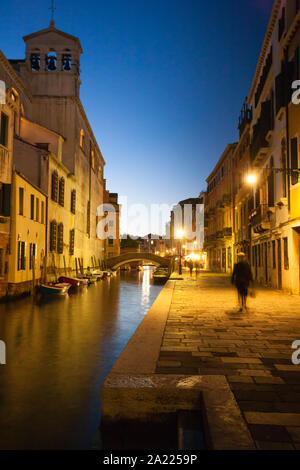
58, 354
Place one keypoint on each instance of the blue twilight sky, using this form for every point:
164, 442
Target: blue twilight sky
163, 82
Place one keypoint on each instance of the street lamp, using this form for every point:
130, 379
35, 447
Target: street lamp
180, 234
251, 179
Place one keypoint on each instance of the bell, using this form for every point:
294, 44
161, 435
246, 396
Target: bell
51, 63
67, 63
35, 62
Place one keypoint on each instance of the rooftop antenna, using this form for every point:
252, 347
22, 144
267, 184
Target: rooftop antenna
52, 8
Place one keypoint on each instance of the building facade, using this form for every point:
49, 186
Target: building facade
47, 138
219, 213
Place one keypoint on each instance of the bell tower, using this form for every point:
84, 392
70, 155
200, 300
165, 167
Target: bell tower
52, 63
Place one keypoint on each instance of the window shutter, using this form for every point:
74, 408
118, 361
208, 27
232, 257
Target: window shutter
294, 159
60, 238
73, 201
54, 186
72, 240
61, 191
53, 235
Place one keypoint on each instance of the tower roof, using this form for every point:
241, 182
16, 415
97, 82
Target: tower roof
51, 29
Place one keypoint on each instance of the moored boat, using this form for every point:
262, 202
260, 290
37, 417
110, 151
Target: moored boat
160, 275
55, 288
75, 282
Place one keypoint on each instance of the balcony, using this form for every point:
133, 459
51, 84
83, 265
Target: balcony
245, 118
283, 89
259, 147
227, 232
264, 76
259, 220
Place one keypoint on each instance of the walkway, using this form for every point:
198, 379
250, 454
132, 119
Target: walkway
205, 334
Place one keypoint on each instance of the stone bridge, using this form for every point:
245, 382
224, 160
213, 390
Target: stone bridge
125, 258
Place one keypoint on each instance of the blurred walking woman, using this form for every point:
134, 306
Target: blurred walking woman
241, 278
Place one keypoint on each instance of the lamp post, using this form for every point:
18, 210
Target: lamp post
180, 234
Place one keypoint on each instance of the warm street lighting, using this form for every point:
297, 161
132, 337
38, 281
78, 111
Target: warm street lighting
251, 179
180, 234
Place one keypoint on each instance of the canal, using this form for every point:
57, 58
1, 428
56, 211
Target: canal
58, 352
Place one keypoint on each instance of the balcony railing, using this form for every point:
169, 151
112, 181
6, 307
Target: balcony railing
259, 220
264, 76
264, 125
283, 87
245, 118
227, 232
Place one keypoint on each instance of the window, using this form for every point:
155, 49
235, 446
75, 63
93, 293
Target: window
271, 196
286, 253
37, 209
32, 207
61, 197
294, 159
88, 218
283, 166
81, 143
60, 238
5, 190
4, 130
53, 235
32, 254
73, 201
42, 212
110, 241
54, 186
274, 254
71, 242
21, 201
92, 159
21, 256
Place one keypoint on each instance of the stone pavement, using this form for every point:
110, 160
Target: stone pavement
205, 334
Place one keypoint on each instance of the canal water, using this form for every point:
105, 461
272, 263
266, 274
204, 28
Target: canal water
58, 353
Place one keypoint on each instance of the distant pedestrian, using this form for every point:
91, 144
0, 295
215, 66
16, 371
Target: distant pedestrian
191, 267
241, 278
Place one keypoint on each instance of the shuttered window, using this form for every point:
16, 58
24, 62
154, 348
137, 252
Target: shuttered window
4, 130
21, 201
271, 188
286, 253
21, 256
60, 238
61, 198
73, 201
32, 207
32, 254
54, 186
53, 235
294, 159
72, 242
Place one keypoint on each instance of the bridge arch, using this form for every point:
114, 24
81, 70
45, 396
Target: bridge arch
125, 258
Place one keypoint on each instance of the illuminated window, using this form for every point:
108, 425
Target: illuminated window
81, 138
92, 159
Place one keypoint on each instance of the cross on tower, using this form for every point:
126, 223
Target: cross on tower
52, 8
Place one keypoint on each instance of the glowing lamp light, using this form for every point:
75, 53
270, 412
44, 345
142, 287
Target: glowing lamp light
180, 233
251, 179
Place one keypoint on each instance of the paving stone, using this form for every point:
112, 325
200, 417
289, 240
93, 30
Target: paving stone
269, 433
239, 379
276, 419
268, 380
248, 360
294, 432
169, 364
265, 445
